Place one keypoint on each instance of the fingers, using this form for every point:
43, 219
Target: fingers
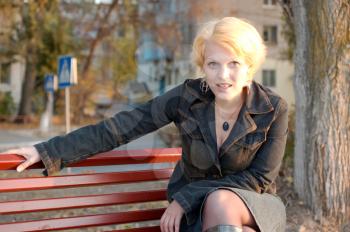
11, 151
18, 151
29, 153
162, 222
170, 223
177, 223
24, 165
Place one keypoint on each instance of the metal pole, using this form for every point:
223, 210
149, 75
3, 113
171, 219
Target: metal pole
67, 110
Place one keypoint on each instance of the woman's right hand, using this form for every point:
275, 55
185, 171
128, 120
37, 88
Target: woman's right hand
29, 153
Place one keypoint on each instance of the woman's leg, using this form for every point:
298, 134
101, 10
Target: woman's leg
248, 229
224, 207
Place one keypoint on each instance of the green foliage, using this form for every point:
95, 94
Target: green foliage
56, 38
119, 60
46, 29
7, 105
39, 36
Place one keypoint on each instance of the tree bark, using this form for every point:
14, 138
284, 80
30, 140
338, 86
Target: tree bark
322, 84
25, 107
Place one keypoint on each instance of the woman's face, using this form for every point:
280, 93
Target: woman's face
226, 74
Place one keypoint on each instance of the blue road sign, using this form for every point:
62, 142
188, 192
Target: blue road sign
67, 71
50, 84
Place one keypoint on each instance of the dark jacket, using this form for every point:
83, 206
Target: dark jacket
249, 159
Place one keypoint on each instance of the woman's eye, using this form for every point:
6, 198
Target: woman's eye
212, 64
234, 64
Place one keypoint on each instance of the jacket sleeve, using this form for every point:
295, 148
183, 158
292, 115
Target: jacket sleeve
110, 133
257, 177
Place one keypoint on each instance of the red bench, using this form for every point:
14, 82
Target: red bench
167, 156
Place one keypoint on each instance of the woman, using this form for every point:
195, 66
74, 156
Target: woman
233, 133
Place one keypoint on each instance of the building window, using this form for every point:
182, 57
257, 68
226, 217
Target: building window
5, 73
269, 78
270, 2
270, 34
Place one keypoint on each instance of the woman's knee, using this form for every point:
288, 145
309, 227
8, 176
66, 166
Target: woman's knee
222, 202
227, 205
221, 199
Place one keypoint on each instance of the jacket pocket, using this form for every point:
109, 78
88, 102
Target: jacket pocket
239, 156
252, 140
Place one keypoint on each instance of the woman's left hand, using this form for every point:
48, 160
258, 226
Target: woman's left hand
170, 221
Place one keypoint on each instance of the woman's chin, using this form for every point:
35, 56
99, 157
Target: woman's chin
227, 95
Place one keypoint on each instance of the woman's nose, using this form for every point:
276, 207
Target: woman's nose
224, 72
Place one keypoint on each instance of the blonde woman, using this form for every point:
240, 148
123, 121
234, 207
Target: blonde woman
233, 133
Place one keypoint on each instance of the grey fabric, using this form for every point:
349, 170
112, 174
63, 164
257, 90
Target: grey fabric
224, 228
267, 209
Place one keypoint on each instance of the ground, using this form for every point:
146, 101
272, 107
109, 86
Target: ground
299, 217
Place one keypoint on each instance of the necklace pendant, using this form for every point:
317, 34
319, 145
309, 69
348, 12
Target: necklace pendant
225, 126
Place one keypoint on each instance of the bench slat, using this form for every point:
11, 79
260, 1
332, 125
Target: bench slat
144, 156
114, 157
37, 183
83, 221
27, 206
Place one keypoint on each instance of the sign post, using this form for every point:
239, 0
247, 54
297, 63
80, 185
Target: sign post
67, 76
50, 86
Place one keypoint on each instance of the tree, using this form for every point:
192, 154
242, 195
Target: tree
101, 29
48, 29
322, 84
38, 37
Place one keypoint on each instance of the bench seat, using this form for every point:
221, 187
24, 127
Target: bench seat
168, 156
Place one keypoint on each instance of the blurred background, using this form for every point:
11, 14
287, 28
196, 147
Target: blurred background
129, 51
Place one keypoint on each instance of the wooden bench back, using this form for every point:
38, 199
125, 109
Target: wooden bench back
146, 156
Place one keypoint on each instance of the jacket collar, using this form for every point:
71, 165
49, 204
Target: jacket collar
257, 101
202, 106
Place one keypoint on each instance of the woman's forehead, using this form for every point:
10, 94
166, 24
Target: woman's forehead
215, 51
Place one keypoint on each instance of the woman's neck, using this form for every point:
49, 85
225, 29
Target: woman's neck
229, 105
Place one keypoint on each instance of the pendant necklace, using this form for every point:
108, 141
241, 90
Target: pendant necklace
226, 125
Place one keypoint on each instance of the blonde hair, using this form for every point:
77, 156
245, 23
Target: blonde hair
234, 34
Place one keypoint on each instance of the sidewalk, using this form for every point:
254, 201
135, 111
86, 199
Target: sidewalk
26, 137
14, 138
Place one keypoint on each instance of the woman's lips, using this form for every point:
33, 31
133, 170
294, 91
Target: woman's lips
223, 86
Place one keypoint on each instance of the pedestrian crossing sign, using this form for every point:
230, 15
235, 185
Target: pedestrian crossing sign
67, 71
50, 83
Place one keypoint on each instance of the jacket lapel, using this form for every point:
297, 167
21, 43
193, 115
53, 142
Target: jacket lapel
256, 102
244, 125
205, 113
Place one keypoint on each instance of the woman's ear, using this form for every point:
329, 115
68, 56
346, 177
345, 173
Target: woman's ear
249, 81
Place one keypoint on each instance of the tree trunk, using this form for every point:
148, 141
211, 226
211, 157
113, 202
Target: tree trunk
322, 85
25, 108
